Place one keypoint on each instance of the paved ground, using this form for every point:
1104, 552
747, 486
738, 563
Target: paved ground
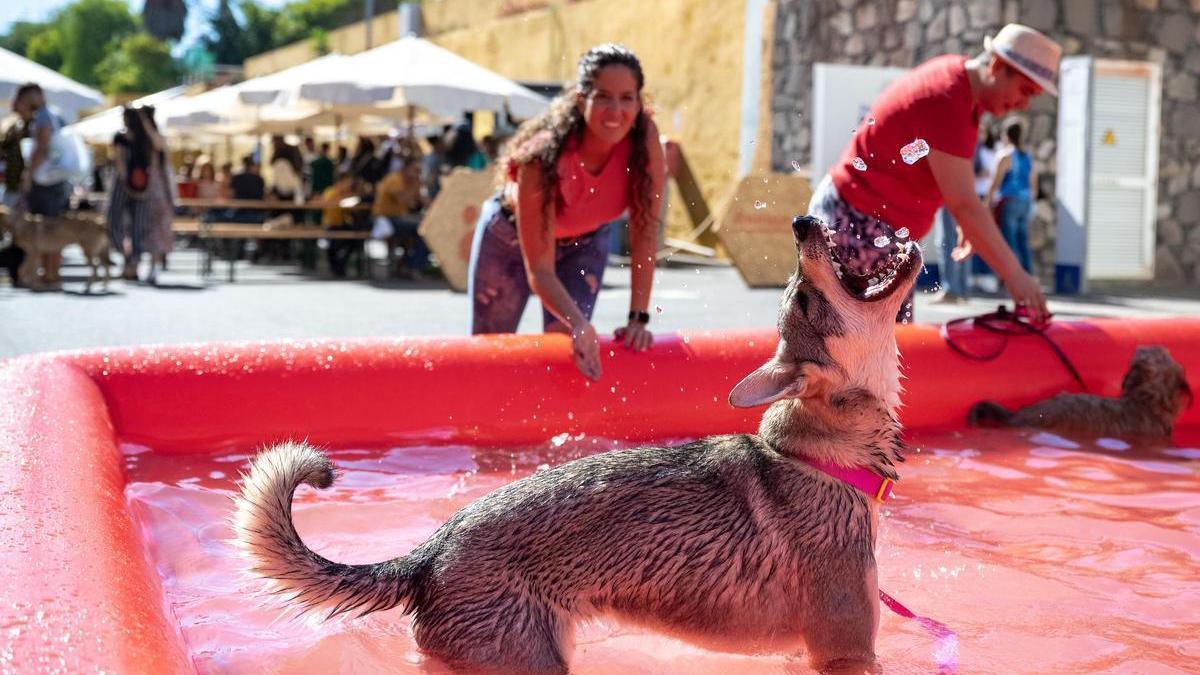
278, 302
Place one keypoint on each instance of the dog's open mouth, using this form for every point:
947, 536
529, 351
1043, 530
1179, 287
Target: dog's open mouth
894, 262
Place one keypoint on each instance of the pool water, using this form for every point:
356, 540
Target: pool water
1044, 554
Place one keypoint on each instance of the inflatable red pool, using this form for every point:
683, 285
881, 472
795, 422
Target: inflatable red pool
80, 593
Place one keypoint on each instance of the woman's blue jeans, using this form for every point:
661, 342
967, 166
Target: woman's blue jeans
1014, 224
499, 287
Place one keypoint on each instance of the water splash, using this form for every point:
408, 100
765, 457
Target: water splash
795, 165
859, 164
914, 151
759, 205
902, 233
882, 240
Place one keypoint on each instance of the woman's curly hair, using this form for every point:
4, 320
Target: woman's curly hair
542, 138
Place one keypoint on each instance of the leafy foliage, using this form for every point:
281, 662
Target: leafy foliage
89, 30
140, 63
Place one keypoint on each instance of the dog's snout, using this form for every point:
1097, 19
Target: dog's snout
802, 224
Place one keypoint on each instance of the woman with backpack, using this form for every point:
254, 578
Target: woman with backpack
140, 198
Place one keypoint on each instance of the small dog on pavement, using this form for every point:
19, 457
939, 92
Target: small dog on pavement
735, 543
42, 236
1154, 394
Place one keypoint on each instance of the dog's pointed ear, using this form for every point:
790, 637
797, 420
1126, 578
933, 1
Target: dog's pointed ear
771, 382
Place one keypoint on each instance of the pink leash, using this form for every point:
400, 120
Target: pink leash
946, 654
881, 489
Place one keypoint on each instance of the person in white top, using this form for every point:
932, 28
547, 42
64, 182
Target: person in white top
954, 281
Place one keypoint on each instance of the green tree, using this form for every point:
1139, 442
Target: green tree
46, 48
20, 34
90, 29
138, 64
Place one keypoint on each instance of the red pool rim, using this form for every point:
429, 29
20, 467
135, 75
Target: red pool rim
79, 592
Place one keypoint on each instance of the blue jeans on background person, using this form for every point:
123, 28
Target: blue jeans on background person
954, 274
1014, 224
416, 251
497, 281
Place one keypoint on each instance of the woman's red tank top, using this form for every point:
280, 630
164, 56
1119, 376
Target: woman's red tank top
586, 201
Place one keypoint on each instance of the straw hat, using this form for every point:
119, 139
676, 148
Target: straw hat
1030, 52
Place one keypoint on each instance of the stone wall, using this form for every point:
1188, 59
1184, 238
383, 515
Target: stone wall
906, 32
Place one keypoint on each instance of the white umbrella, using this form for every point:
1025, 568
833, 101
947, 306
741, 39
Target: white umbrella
102, 126
415, 72
283, 87
65, 94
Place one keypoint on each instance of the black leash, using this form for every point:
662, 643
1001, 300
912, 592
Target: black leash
1006, 324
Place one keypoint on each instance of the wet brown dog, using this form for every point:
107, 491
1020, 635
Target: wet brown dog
733, 542
44, 238
1153, 395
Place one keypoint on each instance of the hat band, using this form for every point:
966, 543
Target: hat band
1032, 66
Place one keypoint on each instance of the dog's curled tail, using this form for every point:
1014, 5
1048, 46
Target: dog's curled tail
263, 526
989, 414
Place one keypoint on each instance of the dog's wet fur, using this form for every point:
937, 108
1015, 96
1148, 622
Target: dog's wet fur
1154, 394
731, 542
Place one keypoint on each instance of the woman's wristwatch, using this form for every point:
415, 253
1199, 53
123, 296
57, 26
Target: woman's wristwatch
640, 317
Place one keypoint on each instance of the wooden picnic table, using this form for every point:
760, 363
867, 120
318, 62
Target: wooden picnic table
265, 204
208, 232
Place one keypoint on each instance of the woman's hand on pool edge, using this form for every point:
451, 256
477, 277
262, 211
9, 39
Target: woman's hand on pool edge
586, 350
634, 335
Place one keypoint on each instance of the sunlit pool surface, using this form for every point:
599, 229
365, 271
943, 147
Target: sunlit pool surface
1044, 554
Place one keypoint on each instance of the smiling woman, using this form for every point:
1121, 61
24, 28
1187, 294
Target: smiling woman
592, 156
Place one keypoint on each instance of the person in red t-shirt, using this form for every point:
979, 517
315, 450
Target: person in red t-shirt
913, 153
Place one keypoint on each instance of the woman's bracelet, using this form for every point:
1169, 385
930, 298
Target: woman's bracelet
640, 317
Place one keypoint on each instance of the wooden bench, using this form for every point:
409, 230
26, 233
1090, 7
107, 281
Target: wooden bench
215, 231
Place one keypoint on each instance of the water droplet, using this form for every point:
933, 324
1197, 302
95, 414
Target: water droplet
902, 233
853, 131
760, 205
859, 164
882, 241
914, 151
658, 309
795, 165
871, 121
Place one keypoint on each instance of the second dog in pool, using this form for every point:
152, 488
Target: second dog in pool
736, 543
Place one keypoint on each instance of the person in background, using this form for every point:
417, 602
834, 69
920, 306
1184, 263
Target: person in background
160, 198
225, 178
462, 149
320, 172
593, 155
185, 185
134, 158
980, 275
207, 186
45, 193
343, 160
334, 217
956, 282
1016, 184
432, 165
489, 145
398, 200
871, 195
248, 184
12, 255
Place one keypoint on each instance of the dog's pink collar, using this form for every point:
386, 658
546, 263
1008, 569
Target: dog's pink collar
864, 479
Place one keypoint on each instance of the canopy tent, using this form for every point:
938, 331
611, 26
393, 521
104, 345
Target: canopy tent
66, 95
413, 72
102, 126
